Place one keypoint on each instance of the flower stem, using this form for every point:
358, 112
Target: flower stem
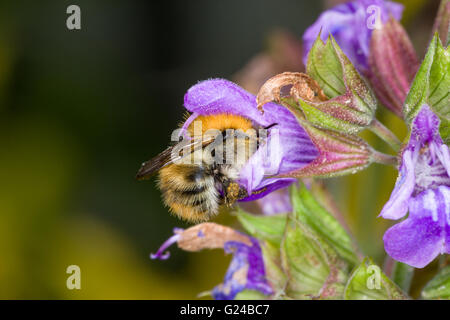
383, 158
385, 134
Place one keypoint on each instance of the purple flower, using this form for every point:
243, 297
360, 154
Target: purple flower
246, 270
277, 202
288, 146
423, 188
349, 25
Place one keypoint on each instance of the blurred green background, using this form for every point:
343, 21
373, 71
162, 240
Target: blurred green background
81, 110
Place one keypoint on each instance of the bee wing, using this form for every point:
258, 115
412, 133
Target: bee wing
166, 157
151, 166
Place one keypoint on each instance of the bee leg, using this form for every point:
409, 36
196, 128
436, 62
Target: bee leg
233, 192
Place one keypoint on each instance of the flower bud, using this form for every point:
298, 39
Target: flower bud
393, 64
442, 22
339, 154
332, 96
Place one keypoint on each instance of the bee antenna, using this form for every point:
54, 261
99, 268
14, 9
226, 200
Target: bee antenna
270, 126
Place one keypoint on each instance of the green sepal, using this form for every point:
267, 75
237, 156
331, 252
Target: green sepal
311, 213
352, 104
270, 228
445, 131
325, 67
269, 231
431, 84
314, 271
368, 282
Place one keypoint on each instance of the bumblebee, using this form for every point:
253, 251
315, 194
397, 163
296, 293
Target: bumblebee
194, 190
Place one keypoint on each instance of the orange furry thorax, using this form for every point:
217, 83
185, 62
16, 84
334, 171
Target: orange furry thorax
221, 122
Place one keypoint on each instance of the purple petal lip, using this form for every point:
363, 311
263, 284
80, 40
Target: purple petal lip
288, 145
425, 164
348, 24
423, 188
425, 128
276, 202
160, 254
425, 233
397, 206
246, 271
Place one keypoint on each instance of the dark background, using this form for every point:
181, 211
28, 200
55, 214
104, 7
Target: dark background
81, 110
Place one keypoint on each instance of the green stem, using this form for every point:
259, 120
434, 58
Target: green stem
383, 158
387, 135
402, 275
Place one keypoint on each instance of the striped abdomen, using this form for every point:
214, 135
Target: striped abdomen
189, 191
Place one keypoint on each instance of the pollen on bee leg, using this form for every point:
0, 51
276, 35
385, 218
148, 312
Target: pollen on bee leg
232, 193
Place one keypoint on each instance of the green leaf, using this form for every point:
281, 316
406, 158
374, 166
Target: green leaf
317, 114
312, 214
324, 66
439, 286
445, 131
269, 231
352, 105
273, 267
270, 228
402, 275
312, 268
418, 92
438, 97
368, 282
431, 84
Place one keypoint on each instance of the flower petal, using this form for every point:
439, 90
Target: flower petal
160, 254
222, 96
348, 25
397, 205
246, 271
443, 153
425, 127
415, 242
276, 202
338, 22
393, 8
269, 185
288, 145
445, 192
424, 234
